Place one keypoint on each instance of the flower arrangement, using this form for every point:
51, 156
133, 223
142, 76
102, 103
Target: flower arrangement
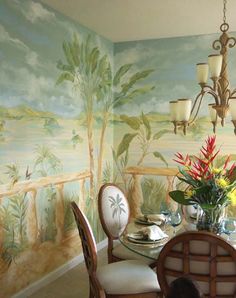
210, 187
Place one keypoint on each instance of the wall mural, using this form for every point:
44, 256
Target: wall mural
72, 118
56, 100
143, 134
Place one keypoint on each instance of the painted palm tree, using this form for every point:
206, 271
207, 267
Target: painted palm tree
115, 92
46, 162
117, 206
83, 68
144, 134
13, 173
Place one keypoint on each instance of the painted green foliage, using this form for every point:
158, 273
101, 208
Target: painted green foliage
144, 136
13, 211
92, 76
118, 207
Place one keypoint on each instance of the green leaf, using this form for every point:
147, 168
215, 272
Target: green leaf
67, 52
160, 156
147, 126
133, 122
140, 91
102, 65
124, 144
121, 99
86, 48
93, 59
135, 78
121, 71
178, 196
160, 133
114, 155
65, 76
126, 158
64, 67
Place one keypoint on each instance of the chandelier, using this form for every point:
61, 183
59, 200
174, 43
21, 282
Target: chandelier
183, 113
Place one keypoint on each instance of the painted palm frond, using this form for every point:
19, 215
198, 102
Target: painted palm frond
46, 161
13, 173
89, 73
116, 205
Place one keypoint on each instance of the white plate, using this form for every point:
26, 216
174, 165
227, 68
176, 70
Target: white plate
143, 222
142, 240
150, 243
148, 222
135, 236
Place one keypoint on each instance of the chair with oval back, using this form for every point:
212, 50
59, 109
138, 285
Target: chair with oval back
125, 279
205, 257
114, 213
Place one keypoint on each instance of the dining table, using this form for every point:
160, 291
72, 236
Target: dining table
152, 249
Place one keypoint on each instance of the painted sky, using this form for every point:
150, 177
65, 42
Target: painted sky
31, 37
174, 61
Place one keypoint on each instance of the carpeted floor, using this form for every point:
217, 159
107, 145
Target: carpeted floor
73, 284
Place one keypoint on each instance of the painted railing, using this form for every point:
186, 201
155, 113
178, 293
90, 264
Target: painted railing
31, 188
135, 191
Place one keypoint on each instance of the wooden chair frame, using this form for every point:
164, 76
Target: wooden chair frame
110, 237
90, 257
212, 278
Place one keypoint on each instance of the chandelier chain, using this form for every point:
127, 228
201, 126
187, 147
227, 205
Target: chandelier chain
224, 11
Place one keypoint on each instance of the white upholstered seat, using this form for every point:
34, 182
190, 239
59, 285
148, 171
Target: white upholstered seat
127, 277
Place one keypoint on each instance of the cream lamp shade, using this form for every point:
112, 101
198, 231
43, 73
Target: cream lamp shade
173, 110
184, 109
215, 64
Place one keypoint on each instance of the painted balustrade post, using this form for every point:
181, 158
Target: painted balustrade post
82, 194
1, 234
60, 213
136, 196
31, 219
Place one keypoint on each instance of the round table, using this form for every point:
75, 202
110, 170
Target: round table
152, 251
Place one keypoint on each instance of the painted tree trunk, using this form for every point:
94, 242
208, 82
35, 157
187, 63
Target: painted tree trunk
136, 196
101, 149
32, 221
91, 153
82, 194
1, 234
60, 213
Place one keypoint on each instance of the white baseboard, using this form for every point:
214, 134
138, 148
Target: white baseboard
47, 279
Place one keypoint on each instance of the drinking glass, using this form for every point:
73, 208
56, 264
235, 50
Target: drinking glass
228, 226
175, 220
166, 212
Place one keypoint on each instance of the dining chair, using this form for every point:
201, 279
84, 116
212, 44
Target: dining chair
114, 213
124, 279
205, 257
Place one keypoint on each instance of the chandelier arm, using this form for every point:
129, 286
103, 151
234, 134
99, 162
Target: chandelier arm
233, 93
209, 90
200, 95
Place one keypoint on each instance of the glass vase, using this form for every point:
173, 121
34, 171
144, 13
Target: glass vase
209, 219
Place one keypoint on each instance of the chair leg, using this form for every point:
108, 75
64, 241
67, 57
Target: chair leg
91, 293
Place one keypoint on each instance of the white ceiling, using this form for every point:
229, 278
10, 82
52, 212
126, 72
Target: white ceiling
123, 20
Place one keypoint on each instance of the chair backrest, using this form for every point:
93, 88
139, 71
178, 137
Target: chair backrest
87, 239
113, 210
89, 251
205, 257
